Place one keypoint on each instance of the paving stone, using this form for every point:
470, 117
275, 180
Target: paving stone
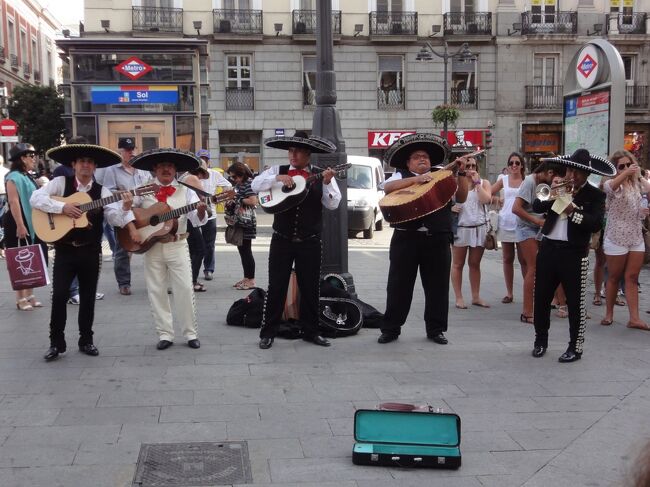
28, 417
327, 446
286, 412
99, 475
275, 429
322, 469
35, 456
107, 454
275, 448
209, 413
108, 415
145, 398
554, 439
63, 436
173, 432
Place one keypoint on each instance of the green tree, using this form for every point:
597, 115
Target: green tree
37, 110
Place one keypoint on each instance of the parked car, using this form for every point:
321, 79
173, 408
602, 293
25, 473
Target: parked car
365, 189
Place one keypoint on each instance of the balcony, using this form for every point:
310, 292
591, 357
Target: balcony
393, 23
235, 21
240, 99
14, 62
553, 23
155, 19
304, 22
464, 98
27, 70
628, 24
544, 97
2, 54
308, 97
390, 99
636, 97
37, 75
475, 23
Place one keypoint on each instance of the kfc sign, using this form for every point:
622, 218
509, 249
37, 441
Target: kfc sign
383, 140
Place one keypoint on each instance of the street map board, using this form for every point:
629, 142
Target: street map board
586, 122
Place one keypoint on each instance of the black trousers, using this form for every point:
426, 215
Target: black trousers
560, 263
410, 250
197, 249
307, 258
247, 259
85, 263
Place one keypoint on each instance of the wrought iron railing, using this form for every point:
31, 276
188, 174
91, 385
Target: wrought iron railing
240, 99
544, 97
629, 23
14, 61
474, 23
27, 69
304, 22
37, 75
384, 23
390, 99
636, 96
157, 19
549, 23
464, 97
236, 21
308, 97
2, 54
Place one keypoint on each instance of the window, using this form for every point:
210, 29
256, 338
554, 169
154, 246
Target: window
543, 12
240, 146
50, 69
239, 71
389, 6
629, 62
464, 86
236, 4
23, 46
309, 80
390, 81
12, 37
34, 60
307, 5
466, 6
545, 70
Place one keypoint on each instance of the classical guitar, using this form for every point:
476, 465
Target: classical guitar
280, 198
52, 227
158, 221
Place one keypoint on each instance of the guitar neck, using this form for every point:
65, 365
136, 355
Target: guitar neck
104, 201
170, 215
317, 176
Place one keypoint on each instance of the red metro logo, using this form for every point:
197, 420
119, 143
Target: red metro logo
133, 68
587, 65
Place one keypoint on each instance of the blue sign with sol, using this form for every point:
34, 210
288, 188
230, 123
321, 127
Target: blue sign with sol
134, 95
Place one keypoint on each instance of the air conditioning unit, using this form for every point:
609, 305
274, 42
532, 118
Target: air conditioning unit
224, 26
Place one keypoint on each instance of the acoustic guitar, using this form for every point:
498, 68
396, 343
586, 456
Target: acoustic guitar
158, 221
280, 198
52, 227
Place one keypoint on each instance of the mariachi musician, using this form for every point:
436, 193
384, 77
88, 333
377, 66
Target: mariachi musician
296, 236
167, 262
79, 253
422, 243
563, 252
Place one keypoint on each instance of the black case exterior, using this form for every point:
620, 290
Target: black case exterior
406, 461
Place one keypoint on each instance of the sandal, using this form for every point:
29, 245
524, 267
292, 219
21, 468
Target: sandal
606, 322
638, 326
199, 288
238, 283
507, 299
23, 305
33, 302
244, 287
597, 300
526, 319
562, 311
619, 301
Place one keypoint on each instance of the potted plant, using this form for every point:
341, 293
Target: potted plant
445, 112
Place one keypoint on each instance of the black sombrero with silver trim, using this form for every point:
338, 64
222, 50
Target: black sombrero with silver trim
314, 144
183, 160
583, 160
398, 154
67, 154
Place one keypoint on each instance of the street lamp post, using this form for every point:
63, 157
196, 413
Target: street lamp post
463, 53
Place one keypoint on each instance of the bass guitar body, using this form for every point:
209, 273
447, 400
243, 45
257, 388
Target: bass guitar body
280, 198
419, 200
149, 234
51, 227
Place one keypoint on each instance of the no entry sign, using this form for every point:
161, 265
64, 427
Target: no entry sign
8, 127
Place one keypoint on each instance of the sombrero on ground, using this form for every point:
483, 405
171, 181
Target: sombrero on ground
582, 159
67, 154
300, 139
398, 154
183, 160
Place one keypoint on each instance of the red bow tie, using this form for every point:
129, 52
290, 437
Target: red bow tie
164, 193
298, 172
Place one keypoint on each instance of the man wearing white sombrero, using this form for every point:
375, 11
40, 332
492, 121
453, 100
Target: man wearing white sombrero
563, 252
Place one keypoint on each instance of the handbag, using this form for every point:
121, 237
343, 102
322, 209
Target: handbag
490, 242
26, 266
240, 215
234, 235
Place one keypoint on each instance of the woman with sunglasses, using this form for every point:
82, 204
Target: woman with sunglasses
472, 228
510, 183
623, 242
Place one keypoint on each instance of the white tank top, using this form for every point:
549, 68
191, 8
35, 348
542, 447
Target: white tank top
473, 212
507, 219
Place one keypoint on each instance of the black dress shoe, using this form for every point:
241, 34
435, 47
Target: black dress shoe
266, 343
164, 344
387, 338
89, 349
51, 354
439, 338
569, 356
539, 351
318, 340
194, 343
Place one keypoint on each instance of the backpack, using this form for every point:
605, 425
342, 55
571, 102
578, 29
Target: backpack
247, 311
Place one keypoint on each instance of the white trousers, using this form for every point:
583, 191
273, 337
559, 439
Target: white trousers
169, 263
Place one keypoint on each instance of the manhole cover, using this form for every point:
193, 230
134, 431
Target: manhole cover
193, 464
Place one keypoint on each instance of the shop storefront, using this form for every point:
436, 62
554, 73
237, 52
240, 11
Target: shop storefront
380, 140
540, 140
153, 90
636, 141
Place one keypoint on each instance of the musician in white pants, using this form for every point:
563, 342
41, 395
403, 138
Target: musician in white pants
167, 262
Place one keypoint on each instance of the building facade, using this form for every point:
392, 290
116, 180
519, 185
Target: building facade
260, 69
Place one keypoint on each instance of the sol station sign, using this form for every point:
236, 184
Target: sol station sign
133, 68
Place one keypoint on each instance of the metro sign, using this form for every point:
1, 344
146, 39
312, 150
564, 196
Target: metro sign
587, 65
133, 68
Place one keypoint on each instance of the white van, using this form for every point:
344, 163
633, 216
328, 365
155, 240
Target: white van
365, 178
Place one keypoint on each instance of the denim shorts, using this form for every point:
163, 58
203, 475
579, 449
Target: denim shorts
525, 232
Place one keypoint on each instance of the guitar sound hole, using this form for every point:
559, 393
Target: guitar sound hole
155, 220
288, 189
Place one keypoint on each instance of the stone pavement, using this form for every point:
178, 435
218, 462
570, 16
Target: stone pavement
529, 422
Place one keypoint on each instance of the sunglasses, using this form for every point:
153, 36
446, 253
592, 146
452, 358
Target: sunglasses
470, 166
623, 167
31, 154
514, 163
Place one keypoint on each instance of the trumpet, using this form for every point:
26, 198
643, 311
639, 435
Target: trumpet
544, 192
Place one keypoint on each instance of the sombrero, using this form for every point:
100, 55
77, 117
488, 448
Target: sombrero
183, 160
67, 154
398, 154
314, 144
583, 160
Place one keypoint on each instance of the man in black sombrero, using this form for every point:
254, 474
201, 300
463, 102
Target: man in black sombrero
422, 243
296, 236
167, 262
79, 253
563, 252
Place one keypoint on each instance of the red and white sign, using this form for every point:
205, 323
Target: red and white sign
383, 140
8, 127
465, 138
133, 68
587, 67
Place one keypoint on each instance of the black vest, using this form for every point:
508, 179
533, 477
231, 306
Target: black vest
92, 234
303, 220
438, 222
